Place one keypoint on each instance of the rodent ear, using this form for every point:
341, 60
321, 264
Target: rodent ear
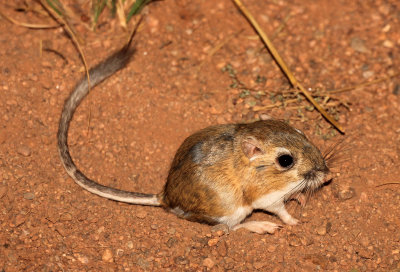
251, 148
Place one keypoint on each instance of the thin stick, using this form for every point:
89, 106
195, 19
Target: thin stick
219, 46
388, 183
283, 65
40, 47
121, 14
28, 25
277, 104
71, 33
280, 27
361, 85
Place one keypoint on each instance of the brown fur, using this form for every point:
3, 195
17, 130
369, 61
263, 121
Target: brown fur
220, 173
211, 176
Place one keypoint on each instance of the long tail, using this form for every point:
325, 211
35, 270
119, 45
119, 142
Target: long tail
97, 74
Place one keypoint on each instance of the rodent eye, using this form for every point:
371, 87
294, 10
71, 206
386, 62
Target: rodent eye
285, 160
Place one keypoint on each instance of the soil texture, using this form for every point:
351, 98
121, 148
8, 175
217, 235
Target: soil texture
199, 63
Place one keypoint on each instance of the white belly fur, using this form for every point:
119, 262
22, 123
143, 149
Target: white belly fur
238, 216
275, 199
272, 202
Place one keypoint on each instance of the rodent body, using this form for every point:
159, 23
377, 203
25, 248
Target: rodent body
219, 174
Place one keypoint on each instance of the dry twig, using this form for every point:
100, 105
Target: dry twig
362, 85
28, 25
283, 65
388, 183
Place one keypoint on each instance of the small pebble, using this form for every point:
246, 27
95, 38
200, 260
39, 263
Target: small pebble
365, 253
363, 196
320, 260
213, 241
100, 230
209, 263
321, 230
29, 196
24, 150
66, 217
294, 240
83, 259
258, 265
171, 231
181, 260
358, 45
142, 263
141, 214
152, 22
171, 242
367, 74
384, 9
220, 227
306, 241
107, 256
3, 191
19, 220
154, 226
271, 248
396, 89
265, 117
62, 230
346, 194
129, 244
120, 252
364, 241
386, 28
388, 44
222, 248
215, 110
106, 43
229, 263
219, 233
46, 64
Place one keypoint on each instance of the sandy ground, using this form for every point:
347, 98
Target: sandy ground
199, 63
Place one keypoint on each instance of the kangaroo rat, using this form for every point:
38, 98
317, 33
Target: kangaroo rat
220, 174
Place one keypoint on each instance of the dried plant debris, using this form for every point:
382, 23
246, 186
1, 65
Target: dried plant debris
261, 100
87, 13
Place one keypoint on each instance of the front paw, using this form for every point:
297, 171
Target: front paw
259, 227
286, 217
291, 221
300, 198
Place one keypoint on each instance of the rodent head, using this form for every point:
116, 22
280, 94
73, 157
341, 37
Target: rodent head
278, 155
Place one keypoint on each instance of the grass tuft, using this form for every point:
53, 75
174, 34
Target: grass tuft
136, 8
97, 8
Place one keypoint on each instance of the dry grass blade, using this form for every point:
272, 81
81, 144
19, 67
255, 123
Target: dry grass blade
319, 108
283, 65
97, 8
277, 104
388, 183
133, 32
219, 46
361, 85
55, 13
28, 25
136, 8
280, 27
223, 42
121, 13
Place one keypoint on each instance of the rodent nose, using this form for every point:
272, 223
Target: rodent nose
328, 177
325, 169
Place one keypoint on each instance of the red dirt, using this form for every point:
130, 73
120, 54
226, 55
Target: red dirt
139, 117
